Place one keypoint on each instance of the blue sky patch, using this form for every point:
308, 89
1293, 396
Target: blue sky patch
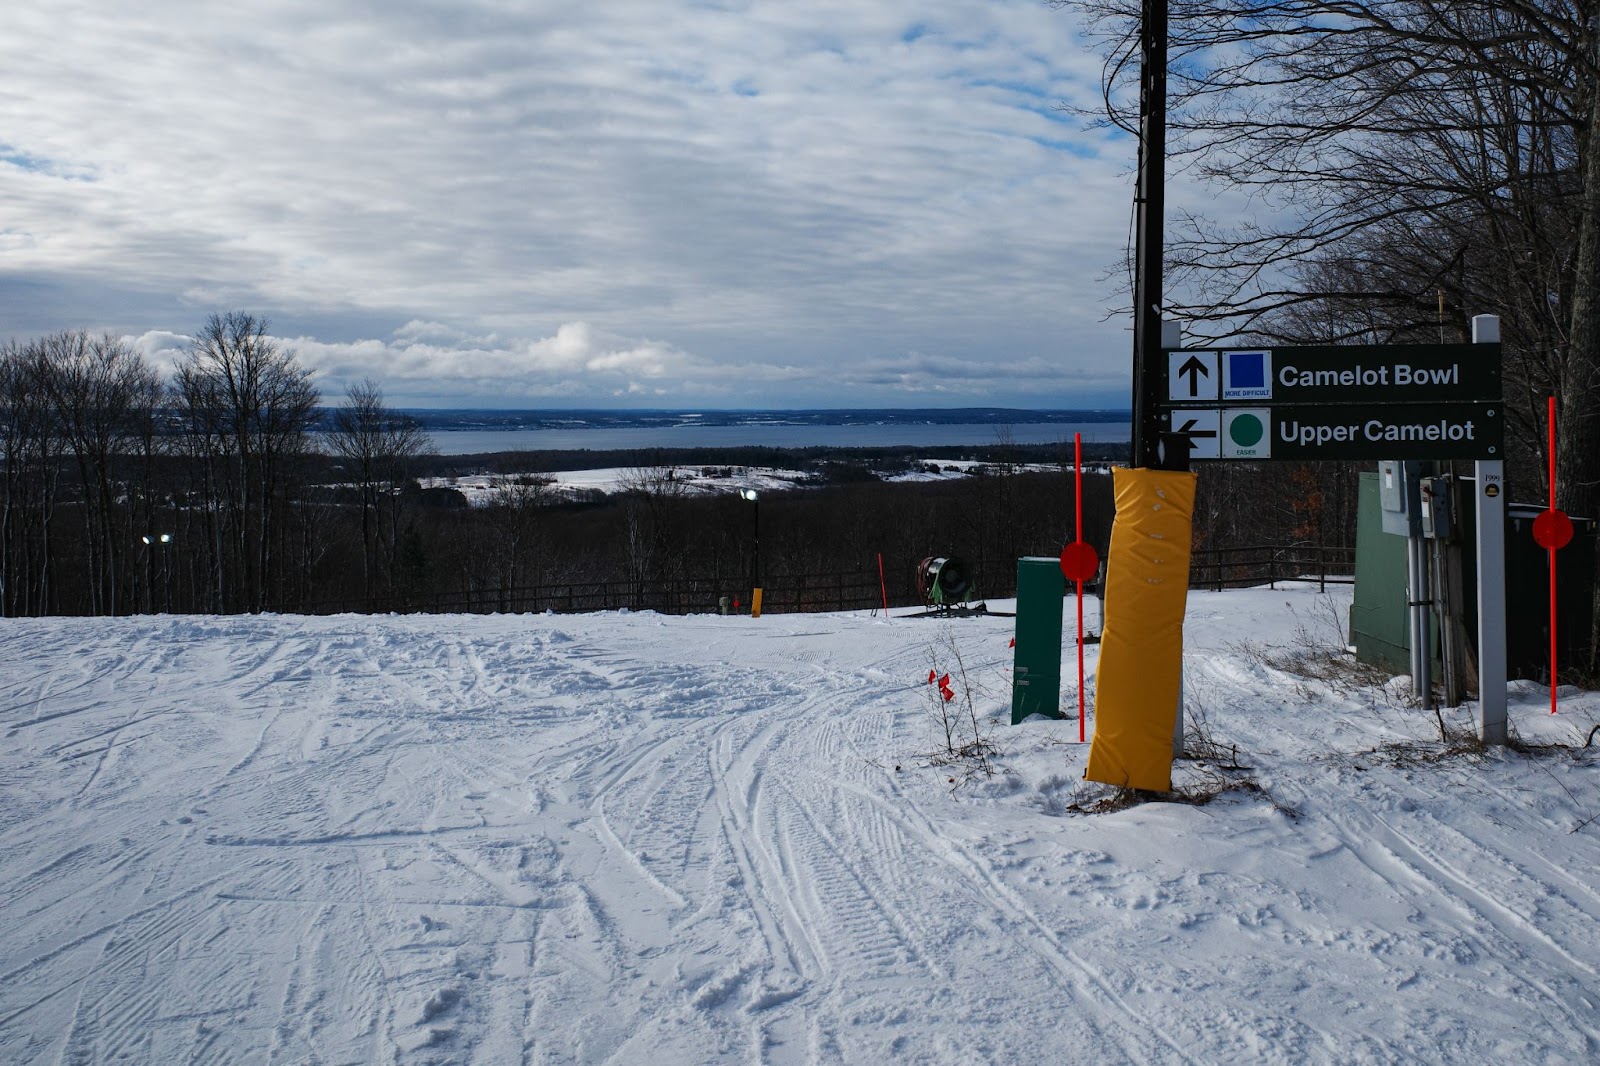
36, 164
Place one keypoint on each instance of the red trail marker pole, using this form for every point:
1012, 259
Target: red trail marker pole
1552, 551
1552, 530
1079, 561
1077, 514
882, 587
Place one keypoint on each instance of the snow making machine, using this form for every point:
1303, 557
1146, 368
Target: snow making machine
946, 587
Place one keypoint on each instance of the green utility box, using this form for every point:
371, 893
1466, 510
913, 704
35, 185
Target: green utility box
1378, 626
1378, 622
1036, 667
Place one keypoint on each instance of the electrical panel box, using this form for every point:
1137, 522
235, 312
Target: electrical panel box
1036, 666
1437, 503
1399, 497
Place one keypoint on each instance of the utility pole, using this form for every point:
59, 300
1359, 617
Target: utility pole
1148, 251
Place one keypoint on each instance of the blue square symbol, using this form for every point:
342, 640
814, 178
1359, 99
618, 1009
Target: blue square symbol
1247, 370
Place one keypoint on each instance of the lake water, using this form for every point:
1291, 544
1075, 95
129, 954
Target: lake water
458, 436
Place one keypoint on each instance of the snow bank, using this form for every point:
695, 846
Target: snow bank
617, 837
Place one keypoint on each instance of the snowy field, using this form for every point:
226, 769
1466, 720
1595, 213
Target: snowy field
480, 490
625, 838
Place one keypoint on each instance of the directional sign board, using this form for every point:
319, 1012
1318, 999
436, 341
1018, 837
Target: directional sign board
1412, 373
1333, 431
1425, 401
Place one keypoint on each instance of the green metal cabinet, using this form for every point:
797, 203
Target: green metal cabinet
1378, 612
1036, 666
1378, 624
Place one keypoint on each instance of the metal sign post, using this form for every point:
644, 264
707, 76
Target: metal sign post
1489, 498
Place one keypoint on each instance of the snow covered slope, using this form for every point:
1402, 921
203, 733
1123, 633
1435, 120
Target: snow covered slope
626, 838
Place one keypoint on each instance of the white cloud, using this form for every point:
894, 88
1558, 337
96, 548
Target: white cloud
772, 193
161, 348
425, 364
941, 377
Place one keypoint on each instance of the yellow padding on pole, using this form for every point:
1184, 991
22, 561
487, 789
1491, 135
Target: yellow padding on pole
1141, 641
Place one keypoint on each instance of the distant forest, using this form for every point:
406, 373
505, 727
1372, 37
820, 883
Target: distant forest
229, 488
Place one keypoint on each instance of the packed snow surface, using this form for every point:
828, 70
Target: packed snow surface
625, 838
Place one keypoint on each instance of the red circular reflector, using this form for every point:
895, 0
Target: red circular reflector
1552, 529
1079, 561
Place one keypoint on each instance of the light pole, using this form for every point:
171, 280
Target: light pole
162, 541
754, 500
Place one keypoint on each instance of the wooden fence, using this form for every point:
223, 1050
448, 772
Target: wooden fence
1212, 568
848, 591
1225, 568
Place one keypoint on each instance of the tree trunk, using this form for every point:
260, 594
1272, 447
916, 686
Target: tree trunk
1578, 422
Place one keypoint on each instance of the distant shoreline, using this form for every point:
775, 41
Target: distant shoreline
474, 418
486, 432
815, 457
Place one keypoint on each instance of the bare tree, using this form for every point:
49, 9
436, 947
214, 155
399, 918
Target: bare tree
97, 387
248, 405
649, 494
1340, 119
145, 445
381, 447
1404, 156
518, 515
203, 443
30, 447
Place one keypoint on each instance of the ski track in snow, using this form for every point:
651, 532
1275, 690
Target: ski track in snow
618, 837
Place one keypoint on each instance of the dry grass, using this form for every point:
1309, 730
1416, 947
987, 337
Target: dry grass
964, 747
1212, 769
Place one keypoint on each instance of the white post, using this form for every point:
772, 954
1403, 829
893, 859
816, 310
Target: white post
1489, 494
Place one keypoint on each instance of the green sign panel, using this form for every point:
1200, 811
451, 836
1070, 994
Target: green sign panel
1342, 431
1412, 373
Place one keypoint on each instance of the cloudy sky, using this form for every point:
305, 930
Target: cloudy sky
729, 203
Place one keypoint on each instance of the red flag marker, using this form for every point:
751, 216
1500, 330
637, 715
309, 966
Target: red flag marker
1079, 561
1552, 530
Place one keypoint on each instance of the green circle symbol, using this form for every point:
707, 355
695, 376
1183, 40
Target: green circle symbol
1246, 430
